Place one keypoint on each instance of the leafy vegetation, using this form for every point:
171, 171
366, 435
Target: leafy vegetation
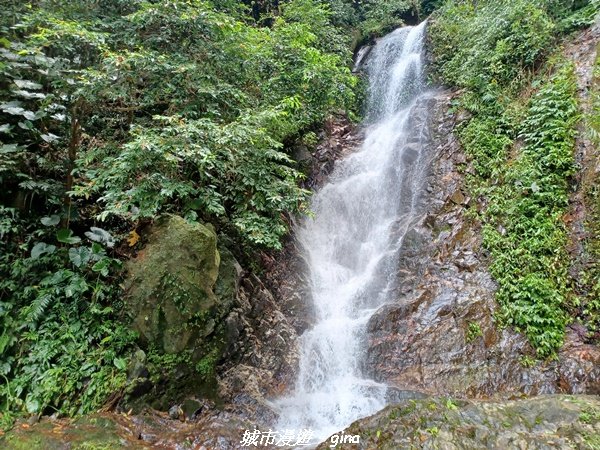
367, 18
61, 349
521, 139
114, 112
473, 332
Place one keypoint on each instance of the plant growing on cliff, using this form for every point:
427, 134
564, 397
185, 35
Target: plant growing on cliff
530, 261
473, 331
521, 150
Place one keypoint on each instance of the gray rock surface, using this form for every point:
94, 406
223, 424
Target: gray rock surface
546, 422
439, 335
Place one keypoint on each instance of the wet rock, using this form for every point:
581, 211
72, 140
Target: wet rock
261, 363
87, 432
286, 274
191, 408
137, 366
213, 430
301, 154
544, 422
582, 49
458, 198
261, 358
467, 262
338, 139
175, 412
247, 354
394, 395
439, 335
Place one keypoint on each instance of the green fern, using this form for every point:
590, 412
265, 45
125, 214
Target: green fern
37, 308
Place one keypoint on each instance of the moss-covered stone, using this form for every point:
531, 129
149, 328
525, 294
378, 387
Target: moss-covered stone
87, 433
227, 283
544, 422
170, 285
179, 290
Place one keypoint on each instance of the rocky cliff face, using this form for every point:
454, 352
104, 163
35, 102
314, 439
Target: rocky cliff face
270, 313
286, 272
439, 336
583, 218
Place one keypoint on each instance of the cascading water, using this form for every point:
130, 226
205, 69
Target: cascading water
351, 245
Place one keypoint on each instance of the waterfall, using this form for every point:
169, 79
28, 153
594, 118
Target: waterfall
352, 242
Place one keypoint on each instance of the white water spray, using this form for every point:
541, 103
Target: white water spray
360, 219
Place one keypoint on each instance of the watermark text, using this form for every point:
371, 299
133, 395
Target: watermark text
292, 438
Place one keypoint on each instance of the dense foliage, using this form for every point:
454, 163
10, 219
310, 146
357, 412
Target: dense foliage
521, 140
367, 18
113, 112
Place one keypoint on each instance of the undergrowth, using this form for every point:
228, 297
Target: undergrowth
520, 139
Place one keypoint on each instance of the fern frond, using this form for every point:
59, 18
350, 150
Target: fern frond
37, 308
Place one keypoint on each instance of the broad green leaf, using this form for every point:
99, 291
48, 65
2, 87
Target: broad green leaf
100, 235
66, 236
79, 256
41, 248
29, 95
9, 148
102, 266
120, 363
32, 405
13, 108
50, 137
27, 84
51, 220
26, 125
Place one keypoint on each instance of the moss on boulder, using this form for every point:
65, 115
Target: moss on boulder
179, 290
170, 295
544, 422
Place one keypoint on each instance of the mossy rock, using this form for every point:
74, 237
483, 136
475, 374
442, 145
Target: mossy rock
179, 290
171, 286
86, 433
544, 422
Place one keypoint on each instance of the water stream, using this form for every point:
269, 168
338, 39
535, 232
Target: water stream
361, 217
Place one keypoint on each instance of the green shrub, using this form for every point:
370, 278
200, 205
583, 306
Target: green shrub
491, 43
60, 348
521, 150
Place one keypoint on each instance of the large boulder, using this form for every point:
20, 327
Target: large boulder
179, 291
170, 285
